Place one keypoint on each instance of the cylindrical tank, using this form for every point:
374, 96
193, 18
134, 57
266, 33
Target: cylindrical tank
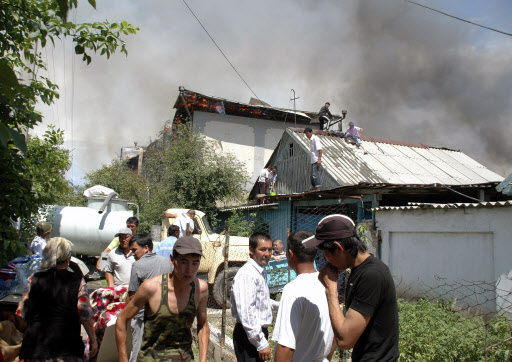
89, 231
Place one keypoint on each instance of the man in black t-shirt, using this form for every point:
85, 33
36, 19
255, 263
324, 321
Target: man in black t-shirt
370, 323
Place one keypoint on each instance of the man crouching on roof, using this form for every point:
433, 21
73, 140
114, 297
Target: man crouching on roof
171, 302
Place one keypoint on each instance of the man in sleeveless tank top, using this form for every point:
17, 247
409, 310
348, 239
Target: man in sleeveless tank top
172, 302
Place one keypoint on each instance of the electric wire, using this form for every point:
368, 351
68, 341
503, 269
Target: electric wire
55, 77
65, 84
460, 193
73, 60
234, 68
218, 47
455, 17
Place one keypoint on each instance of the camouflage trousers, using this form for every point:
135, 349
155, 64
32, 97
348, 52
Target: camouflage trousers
175, 355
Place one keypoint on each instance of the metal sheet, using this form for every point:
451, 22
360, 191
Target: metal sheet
395, 163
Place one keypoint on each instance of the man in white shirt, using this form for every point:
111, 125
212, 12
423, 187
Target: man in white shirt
263, 181
303, 329
43, 229
251, 305
184, 220
315, 147
119, 264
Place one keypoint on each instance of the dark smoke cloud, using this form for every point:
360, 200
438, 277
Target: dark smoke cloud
422, 78
401, 71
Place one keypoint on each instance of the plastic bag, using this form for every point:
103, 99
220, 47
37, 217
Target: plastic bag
98, 190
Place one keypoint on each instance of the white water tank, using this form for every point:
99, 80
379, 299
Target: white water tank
88, 230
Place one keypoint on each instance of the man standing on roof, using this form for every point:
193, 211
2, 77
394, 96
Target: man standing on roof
370, 323
354, 133
315, 147
325, 116
184, 220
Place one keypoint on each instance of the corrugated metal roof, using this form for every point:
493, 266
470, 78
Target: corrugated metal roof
506, 186
415, 206
250, 207
394, 163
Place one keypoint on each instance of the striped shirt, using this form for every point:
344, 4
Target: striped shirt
250, 302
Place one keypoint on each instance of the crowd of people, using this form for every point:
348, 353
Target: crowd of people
159, 295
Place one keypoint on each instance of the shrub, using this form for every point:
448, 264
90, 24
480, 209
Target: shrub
431, 331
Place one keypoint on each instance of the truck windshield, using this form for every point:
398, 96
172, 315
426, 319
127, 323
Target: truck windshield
207, 226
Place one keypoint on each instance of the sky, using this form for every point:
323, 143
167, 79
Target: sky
401, 71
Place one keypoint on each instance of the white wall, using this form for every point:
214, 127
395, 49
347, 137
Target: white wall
251, 140
471, 249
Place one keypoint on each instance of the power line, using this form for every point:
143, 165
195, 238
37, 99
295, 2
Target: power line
455, 17
460, 193
232, 66
73, 60
218, 47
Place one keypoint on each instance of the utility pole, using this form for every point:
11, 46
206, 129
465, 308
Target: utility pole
293, 99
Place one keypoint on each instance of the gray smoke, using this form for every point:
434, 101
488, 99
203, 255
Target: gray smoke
422, 78
401, 71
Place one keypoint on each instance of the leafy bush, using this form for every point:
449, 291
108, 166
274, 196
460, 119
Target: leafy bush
431, 331
245, 225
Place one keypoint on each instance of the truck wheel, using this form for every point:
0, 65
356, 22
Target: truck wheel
218, 286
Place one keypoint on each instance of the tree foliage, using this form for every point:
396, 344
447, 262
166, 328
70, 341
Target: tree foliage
181, 170
47, 162
245, 224
27, 26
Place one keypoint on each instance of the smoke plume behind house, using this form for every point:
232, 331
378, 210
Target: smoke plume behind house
401, 71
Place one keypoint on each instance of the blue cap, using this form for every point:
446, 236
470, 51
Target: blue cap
351, 123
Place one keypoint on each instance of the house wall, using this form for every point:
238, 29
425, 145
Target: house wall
294, 168
251, 140
461, 253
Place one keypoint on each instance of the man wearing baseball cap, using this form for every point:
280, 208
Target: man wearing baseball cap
119, 263
370, 322
43, 229
354, 133
172, 302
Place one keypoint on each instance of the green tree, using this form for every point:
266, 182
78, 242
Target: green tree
181, 170
47, 162
27, 26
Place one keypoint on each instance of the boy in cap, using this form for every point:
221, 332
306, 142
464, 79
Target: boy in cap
147, 265
43, 230
370, 324
172, 302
